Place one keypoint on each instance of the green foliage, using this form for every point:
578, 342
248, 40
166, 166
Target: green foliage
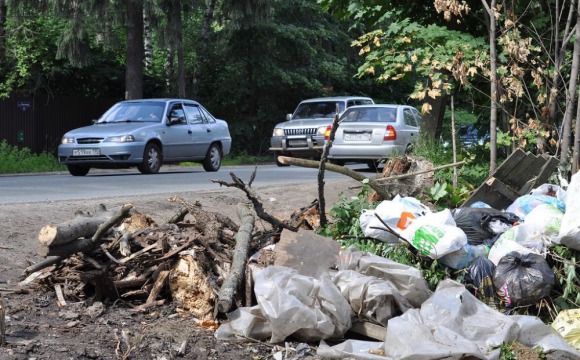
565, 262
16, 160
346, 213
444, 196
506, 352
432, 149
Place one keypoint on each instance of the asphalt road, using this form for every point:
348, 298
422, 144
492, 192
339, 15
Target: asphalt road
129, 182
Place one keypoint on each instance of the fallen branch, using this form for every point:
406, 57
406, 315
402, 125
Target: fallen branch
375, 182
321, 167
258, 207
237, 270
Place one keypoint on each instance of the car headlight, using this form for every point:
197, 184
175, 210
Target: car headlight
67, 140
278, 132
322, 130
121, 139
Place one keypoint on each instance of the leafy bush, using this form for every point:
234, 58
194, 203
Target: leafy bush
16, 160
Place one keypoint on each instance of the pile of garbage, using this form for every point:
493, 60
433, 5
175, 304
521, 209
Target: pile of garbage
502, 251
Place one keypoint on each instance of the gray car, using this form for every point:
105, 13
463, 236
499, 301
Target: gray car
147, 133
302, 134
371, 133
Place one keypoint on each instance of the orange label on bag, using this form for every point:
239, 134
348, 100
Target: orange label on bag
405, 220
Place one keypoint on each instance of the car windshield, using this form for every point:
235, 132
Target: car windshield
323, 109
370, 115
146, 111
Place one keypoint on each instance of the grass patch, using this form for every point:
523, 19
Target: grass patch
16, 160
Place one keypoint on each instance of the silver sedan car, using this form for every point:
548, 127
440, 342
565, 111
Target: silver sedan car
147, 133
370, 133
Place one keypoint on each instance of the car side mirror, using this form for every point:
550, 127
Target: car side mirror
288, 117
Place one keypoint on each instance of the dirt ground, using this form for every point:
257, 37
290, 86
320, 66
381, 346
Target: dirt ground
37, 328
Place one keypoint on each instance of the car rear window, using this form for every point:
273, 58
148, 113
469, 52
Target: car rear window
370, 115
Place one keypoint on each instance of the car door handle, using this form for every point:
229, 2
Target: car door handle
208, 130
189, 132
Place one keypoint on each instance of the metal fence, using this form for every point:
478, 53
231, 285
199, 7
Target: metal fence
38, 123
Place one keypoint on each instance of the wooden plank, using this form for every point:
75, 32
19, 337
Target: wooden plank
547, 170
521, 172
494, 193
512, 161
370, 330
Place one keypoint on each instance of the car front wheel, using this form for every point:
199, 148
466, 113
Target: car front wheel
213, 159
151, 160
76, 170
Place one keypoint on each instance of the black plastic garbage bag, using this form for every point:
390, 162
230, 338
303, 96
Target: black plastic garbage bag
522, 279
499, 223
482, 224
480, 277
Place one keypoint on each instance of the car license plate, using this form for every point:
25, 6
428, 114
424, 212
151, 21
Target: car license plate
86, 152
300, 142
357, 137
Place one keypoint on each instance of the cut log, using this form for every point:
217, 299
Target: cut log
236, 275
82, 226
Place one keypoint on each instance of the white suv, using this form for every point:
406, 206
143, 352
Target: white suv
302, 134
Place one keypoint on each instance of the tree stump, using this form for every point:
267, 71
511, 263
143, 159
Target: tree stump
406, 186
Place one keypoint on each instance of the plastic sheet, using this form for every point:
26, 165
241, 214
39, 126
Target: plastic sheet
290, 304
408, 280
453, 324
372, 299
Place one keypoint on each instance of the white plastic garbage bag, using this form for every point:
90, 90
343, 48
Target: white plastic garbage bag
397, 213
523, 205
507, 242
570, 230
552, 190
435, 235
544, 223
372, 299
408, 280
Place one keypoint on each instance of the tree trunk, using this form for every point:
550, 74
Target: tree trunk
178, 42
571, 96
490, 8
134, 51
432, 122
147, 41
205, 33
560, 48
